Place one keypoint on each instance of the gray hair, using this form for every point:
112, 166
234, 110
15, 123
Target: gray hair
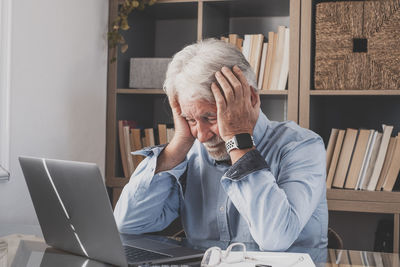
192, 70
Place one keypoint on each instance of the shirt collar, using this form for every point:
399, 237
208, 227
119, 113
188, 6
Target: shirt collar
260, 128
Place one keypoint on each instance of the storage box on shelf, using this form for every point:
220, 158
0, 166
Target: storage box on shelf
165, 28
322, 110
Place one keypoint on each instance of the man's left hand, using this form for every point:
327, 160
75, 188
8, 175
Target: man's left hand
238, 104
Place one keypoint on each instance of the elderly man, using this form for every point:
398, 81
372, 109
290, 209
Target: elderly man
229, 172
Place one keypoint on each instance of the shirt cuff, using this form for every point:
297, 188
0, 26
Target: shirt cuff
154, 152
150, 151
250, 162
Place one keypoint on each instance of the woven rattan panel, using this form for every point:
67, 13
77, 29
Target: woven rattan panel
357, 45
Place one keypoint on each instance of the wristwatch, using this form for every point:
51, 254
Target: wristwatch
240, 141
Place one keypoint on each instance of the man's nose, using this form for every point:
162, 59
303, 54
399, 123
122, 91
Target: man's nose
203, 132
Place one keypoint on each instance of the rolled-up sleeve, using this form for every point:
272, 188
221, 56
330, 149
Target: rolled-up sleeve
149, 202
277, 208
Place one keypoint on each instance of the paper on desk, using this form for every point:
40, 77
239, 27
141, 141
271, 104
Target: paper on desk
274, 259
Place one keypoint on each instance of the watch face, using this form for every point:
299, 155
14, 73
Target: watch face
244, 140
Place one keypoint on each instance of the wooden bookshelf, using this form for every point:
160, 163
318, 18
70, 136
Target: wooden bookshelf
322, 110
117, 182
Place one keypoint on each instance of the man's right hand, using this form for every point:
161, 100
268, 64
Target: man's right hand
175, 152
182, 135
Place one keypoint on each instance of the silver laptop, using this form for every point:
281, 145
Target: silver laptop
75, 215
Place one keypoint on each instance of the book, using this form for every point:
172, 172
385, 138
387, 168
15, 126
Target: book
268, 63
366, 161
162, 134
233, 38
128, 149
246, 47
386, 164
239, 43
387, 132
367, 259
358, 157
251, 54
136, 144
122, 147
330, 147
273, 61
345, 158
262, 66
284, 68
342, 258
389, 259
332, 258
149, 137
378, 259
335, 158
394, 168
256, 50
355, 258
277, 58
371, 164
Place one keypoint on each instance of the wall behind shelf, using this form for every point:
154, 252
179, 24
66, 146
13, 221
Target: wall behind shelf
157, 31
357, 230
275, 107
369, 112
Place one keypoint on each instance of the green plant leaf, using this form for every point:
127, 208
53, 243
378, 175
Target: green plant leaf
121, 23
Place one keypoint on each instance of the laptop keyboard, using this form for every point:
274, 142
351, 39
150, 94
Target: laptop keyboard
137, 254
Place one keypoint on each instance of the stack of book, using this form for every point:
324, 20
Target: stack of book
132, 138
269, 60
363, 159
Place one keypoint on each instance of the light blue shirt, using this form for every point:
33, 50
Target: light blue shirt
274, 196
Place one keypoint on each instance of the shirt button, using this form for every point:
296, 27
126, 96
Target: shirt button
221, 208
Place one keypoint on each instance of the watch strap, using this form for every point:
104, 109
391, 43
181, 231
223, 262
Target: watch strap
230, 145
233, 143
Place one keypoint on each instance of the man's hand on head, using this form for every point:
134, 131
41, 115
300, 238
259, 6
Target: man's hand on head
175, 152
237, 103
182, 131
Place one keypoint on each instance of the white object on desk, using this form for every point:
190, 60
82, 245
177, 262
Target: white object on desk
215, 257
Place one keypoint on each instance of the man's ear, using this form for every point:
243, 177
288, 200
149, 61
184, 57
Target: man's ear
255, 97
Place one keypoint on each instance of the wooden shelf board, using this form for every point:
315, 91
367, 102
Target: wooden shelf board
141, 91
161, 92
176, 1
354, 92
117, 181
273, 92
359, 206
167, 1
363, 196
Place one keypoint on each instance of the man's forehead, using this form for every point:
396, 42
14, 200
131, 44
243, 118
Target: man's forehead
199, 114
198, 108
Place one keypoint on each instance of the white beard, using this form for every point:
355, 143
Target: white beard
216, 148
